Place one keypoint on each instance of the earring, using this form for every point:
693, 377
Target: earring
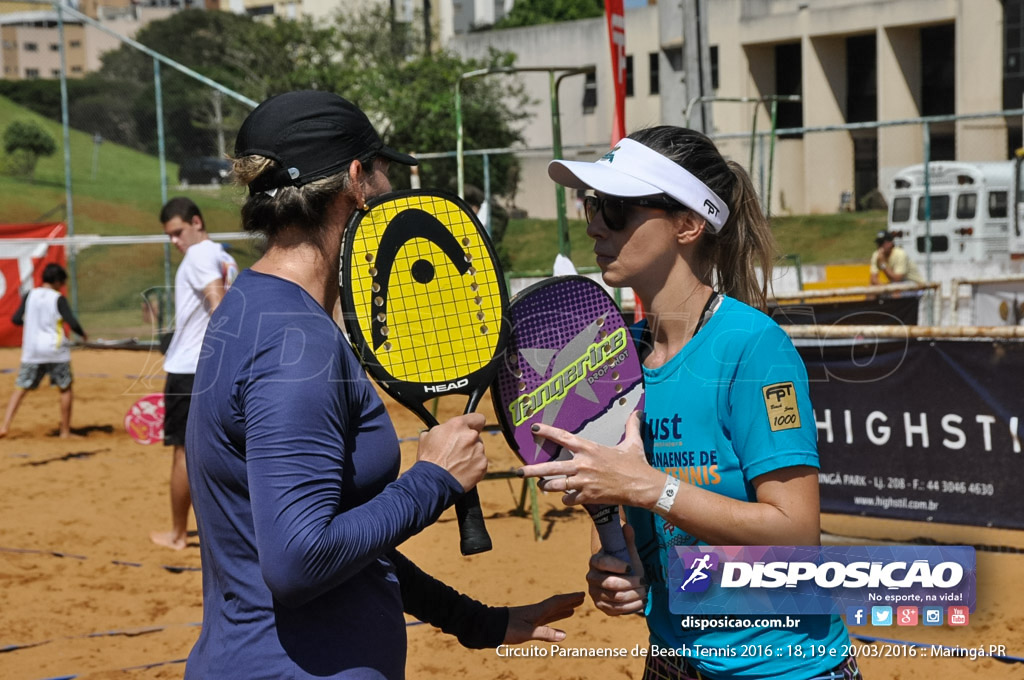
365, 207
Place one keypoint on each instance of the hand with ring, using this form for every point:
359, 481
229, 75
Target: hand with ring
595, 473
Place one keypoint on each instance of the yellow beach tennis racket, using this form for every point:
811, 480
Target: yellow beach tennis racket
425, 302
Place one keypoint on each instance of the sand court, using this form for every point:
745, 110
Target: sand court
85, 594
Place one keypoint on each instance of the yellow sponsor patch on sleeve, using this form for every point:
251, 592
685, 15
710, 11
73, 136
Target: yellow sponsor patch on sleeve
780, 403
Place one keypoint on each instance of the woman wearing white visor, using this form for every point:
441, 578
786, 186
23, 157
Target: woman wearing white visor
727, 454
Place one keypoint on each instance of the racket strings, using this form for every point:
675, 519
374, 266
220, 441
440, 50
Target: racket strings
434, 317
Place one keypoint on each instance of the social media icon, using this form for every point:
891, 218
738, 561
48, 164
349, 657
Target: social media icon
881, 616
856, 616
959, 616
906, 616
932, 616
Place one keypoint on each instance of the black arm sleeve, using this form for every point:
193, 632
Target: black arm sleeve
65, 313
473, 623
19, 316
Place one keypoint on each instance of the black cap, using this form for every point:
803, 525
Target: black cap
883, 236
312, 135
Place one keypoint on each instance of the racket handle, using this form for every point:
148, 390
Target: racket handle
609, 530
472, 531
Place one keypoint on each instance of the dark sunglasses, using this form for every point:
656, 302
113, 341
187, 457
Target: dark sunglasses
616, 210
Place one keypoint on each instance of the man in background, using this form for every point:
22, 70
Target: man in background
204, 275
892, 262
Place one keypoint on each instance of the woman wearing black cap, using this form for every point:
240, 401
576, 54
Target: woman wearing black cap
728, 453
292, 459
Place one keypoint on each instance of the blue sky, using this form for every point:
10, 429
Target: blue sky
633, 3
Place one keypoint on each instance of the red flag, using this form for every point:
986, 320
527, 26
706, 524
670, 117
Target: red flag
617, 41
21, 267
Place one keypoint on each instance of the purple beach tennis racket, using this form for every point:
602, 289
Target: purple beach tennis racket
570, 363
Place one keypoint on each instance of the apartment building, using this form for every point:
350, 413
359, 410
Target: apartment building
849, 61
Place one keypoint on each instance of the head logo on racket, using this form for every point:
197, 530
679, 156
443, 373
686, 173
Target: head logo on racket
425, 292
424, 303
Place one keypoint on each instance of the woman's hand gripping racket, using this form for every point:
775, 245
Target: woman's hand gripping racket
424, 302
570, 363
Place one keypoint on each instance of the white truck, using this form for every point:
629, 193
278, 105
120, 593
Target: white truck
977, 211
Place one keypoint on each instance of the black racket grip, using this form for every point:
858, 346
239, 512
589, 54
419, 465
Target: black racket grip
472, 531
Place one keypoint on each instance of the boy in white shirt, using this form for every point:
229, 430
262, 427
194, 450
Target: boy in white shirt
44, 349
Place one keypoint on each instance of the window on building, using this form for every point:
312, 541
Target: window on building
675, 58
629, 75
590, 93
788, 70
74, 44
943, 144
55, 47
653, 66
260, 10
861, 79
1013, 53
938, 71
31, 73
966, 205
31, 47
713, 52
76, 69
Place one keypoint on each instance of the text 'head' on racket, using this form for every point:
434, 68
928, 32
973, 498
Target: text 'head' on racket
570, 363
424, 302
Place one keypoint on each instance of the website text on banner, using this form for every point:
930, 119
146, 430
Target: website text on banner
925, 430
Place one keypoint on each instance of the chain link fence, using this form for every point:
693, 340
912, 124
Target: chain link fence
131, 128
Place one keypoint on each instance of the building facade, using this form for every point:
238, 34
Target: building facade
849, 62
30, 39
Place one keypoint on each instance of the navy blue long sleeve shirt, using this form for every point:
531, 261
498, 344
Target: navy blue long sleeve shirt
293, 465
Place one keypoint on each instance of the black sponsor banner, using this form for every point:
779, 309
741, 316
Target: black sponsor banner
884, 311
920, 429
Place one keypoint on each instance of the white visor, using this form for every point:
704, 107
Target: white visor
631, 169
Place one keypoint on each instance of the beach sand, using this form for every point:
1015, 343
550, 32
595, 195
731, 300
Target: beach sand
84, 593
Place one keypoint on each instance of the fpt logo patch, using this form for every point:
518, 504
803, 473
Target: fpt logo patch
699, 566
780, 403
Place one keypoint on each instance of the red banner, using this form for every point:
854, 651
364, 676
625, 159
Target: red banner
21, 269
617, 41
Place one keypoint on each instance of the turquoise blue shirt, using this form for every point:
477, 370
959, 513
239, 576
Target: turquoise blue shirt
732, 405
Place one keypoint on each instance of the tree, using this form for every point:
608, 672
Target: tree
230, 49
534, 12
411, 99
366, 57
25, 142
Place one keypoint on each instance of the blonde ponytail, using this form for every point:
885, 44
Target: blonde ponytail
743, 244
